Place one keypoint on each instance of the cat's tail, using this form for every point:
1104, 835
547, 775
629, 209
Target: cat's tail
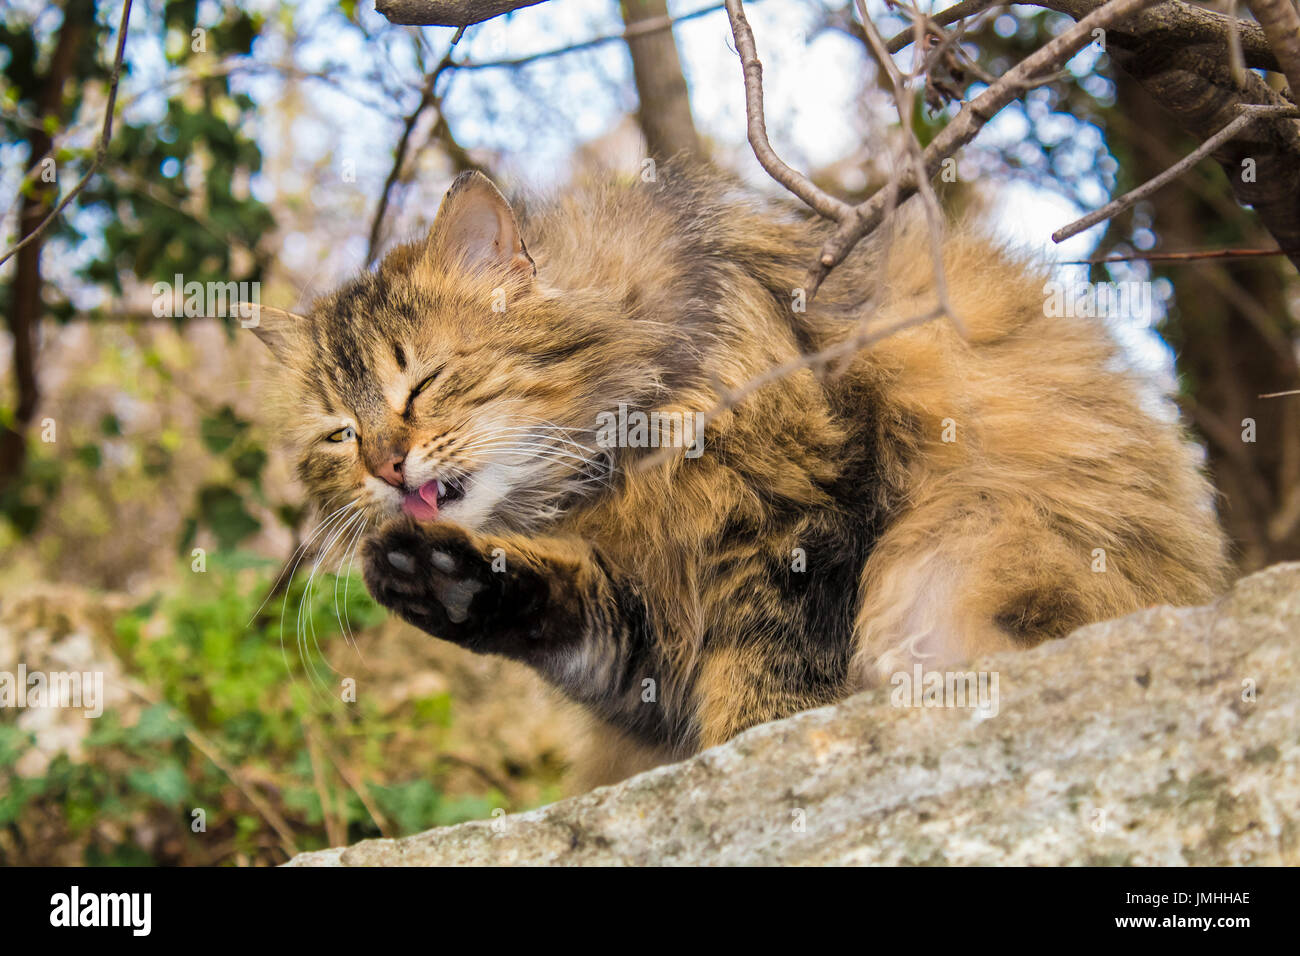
1038, 483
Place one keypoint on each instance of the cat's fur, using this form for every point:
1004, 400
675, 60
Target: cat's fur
828, 535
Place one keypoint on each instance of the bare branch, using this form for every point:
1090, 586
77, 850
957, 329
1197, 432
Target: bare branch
1194, 255
959, 11
965, 125
793, 180
639, 29
905, 102
1181, 24
106, 134
427, 99
1281, 25
447, 13
1174, 21
1249, 113
1262, 163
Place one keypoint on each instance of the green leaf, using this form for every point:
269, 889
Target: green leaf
13, 744
89, 455
249, 463
156, 725
220, 431
222, 510
165, 783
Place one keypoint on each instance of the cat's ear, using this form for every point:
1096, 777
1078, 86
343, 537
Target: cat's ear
476, 225
278, 329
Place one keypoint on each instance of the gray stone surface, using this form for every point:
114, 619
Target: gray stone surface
1171, 736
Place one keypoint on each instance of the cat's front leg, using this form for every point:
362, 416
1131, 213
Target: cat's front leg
466, 589
548, 602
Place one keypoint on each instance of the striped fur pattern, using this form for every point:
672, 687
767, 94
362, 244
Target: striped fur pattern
939, 498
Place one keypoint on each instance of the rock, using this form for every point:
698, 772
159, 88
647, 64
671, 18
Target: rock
1171, 736
57, 629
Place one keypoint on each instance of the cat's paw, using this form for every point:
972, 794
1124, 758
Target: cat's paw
454, 585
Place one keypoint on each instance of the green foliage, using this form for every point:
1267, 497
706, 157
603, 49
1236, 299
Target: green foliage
23, 502
177, 199
221, 507
172, 197
231, 690
412, 803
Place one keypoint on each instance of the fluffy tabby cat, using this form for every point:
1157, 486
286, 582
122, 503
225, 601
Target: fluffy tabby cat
940, 498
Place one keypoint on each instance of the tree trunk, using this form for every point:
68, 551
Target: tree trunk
665, 111
25, 299
1232, 338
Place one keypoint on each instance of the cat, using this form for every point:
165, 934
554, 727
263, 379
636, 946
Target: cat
932, 497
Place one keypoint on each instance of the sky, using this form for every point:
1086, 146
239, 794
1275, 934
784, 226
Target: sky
530, 120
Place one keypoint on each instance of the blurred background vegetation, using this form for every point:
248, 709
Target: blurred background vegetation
147, 515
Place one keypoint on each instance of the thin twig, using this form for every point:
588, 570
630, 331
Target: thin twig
816, 361
1281, 25
427, 98
106, 134
358, 787
793, 180
930, 23
1194, 255
333, 833
641, 28
1049, 58
1249, 112
210, 750
905, 103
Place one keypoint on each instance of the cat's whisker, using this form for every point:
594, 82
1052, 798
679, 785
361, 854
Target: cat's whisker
297, 554
542, 440
301, 553
358, 522
555, 455
345, 621
519, 446
338, 574
533, 424
309, 630
339, 518
538, 450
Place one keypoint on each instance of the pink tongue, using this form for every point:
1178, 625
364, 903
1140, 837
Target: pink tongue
422, 504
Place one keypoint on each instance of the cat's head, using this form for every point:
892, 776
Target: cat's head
450, 382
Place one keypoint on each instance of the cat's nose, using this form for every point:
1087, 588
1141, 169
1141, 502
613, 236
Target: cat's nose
391, 471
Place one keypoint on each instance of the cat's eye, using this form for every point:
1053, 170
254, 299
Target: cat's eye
415, 392
346, 433
425, 383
